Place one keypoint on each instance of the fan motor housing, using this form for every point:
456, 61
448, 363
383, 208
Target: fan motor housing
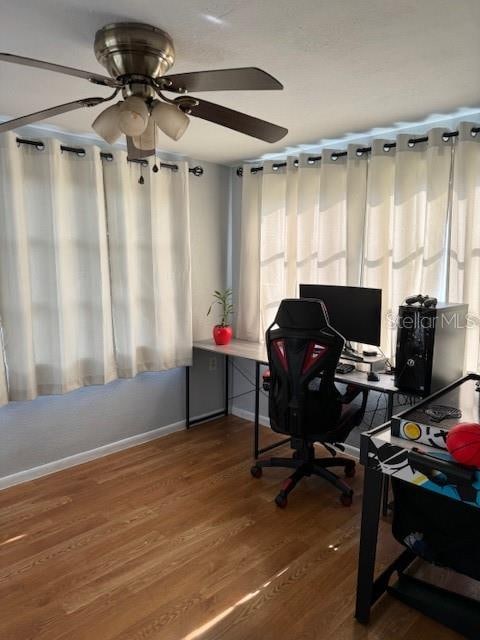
134, 48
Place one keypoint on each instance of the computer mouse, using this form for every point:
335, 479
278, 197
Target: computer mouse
373, 377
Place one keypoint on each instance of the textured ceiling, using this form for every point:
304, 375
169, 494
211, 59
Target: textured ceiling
347, 65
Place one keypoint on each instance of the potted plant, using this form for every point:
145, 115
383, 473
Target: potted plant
223, 332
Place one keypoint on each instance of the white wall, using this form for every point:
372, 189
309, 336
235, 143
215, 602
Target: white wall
209, 202
50, 428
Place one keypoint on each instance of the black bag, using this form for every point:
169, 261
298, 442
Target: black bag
439, 529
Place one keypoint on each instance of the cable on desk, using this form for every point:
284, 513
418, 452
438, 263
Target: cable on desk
376, 409
388, 364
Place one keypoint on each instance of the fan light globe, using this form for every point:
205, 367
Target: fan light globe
146, 141
170, 119
133, 116
106, 124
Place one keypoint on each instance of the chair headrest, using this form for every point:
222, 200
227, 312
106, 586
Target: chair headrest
305, 313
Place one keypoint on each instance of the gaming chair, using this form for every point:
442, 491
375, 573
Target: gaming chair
304, 403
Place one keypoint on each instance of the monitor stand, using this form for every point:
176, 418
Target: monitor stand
349, 353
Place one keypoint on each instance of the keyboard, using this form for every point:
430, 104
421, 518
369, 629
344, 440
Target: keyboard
344, 367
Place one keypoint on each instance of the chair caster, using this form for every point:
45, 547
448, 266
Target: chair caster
256, 471
346, 499
281, 500
350, 470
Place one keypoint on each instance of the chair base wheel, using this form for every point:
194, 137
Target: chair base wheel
256, 471
281, 501
350, 470
346, 499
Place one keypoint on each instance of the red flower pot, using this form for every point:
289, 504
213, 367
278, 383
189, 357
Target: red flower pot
222, 334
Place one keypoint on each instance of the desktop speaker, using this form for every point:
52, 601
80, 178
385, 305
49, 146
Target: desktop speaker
430, 347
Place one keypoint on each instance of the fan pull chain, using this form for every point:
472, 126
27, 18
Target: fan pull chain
155, 166
141, 180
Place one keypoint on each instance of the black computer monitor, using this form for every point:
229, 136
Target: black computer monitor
355, 312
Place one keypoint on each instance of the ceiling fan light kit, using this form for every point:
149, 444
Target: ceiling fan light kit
170, 119
133, 116
137, 56
106, 124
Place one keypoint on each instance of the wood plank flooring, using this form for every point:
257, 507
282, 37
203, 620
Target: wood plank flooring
173, 540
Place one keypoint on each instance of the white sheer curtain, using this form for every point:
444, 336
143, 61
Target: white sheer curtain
404, 220
464, 254
54, 277
377, 264
88, 295
268, 244
330, 223
149, 243
247, 319
301, 223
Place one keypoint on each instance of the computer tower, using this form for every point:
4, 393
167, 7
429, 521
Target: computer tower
430, 347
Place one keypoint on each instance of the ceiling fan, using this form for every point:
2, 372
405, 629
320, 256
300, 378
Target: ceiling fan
137, 56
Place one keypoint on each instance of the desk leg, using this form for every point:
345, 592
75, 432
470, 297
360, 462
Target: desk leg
257, 409
372, 493
386, 478
187, 397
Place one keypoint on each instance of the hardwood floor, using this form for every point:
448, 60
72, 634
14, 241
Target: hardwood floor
173, 540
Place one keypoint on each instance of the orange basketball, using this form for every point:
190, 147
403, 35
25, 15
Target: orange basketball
463, 442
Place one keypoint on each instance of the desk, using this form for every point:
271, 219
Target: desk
254, 351
257, 353
384, 455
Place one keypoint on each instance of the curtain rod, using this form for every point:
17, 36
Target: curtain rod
79, 151
360, 151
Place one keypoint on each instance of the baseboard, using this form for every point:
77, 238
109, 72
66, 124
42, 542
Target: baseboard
249, 415
92, 454
120, 445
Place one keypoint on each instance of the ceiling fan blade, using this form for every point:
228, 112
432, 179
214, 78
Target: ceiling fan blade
49, 113
246, 78
236, 120
96, 78
134, 153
